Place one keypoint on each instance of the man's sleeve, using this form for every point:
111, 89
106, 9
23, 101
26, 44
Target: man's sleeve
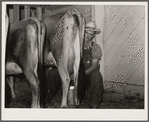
96, 52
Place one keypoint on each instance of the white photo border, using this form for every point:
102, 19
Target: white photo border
74, 114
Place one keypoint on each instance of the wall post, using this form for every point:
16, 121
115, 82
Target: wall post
16, 13
27, 11
39, 13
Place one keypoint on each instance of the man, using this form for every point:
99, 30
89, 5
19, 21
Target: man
91, 56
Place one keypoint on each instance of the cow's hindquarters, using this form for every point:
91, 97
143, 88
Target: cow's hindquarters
31, 64
71, 58
64, 64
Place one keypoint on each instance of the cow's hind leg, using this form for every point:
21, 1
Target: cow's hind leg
10, 81
32, 78
65, 85
76, 67
11, 69
30, 66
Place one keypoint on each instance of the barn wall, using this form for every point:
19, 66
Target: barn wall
10, 14
124, 39
86, 10
98, 11
42, 11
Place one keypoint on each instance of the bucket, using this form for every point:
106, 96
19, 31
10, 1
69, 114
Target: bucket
71, 95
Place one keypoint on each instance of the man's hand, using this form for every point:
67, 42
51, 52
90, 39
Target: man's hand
95, 64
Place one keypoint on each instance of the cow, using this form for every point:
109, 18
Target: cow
24, 54
63, 46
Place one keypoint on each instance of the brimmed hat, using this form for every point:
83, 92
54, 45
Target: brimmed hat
92, 26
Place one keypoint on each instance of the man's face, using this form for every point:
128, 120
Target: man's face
89, 34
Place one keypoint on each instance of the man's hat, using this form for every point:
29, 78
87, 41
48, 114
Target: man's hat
92, 26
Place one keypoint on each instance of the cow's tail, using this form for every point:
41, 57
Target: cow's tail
41, 39
78, 47
81, 25
40, 43
40, 47
6, 25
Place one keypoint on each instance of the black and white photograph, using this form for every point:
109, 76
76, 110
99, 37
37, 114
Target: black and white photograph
74, 61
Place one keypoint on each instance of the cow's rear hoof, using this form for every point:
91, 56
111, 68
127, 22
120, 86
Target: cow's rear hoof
64, 106
43, 104
35, 106
93, 106
13, 96
77, 103
77, 106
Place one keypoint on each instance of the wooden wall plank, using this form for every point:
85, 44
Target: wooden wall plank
16, 13
110, 13
115, 21
136, 54
139, 73
116, 59
119, 73
47, 12
22, 14
27, 12
119, 43
141, 81
131, 68
39, 13
124, 24
124, 46
119, 29
11, 15
138, 30
123, 53
33, 13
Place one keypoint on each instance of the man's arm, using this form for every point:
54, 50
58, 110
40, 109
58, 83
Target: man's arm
95, 64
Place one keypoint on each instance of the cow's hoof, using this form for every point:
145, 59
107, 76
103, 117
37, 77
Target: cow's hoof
43, 104
77, 103
77, 106
93, 106
35, 107
64, 106
13, 96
